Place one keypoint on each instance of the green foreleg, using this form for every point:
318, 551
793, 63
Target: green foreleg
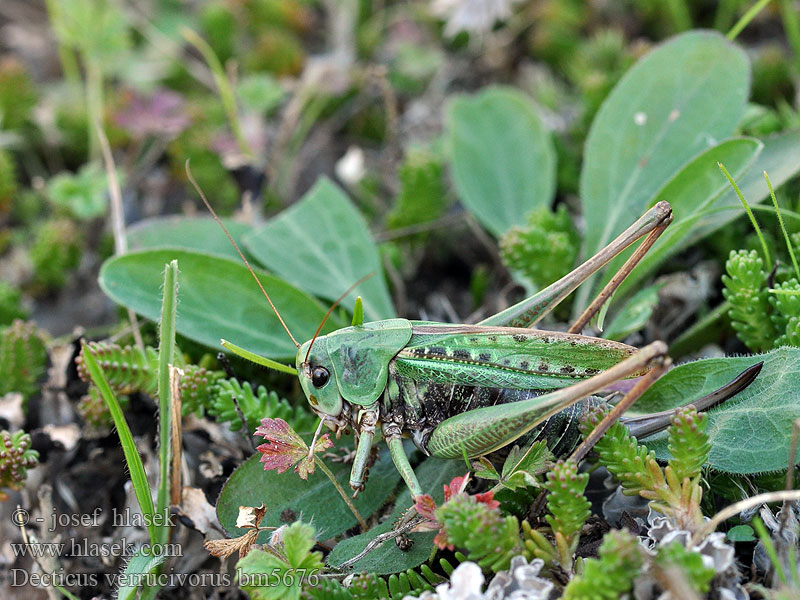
530, 310
366, 424
485, 430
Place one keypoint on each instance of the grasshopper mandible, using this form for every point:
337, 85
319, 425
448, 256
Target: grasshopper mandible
470, 390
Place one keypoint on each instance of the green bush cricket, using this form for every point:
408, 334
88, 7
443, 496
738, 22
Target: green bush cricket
470, 390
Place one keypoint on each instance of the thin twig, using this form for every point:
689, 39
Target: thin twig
345, 496
735, 509
117, 217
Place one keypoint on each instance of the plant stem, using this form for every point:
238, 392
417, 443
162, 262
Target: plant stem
166, 352
783, 227
94, 103
345, 496
679, 13
791, 25
746, 18
226, 94
750, 214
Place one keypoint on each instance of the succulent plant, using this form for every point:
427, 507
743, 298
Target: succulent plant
17, 94
56, 250
543, 249
23, 357
10, 304
16, 457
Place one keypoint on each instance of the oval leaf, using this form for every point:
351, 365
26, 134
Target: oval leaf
751, 432
502, 157
322, 245
674, 103
288, 498
194, 233
692, 193
217, 298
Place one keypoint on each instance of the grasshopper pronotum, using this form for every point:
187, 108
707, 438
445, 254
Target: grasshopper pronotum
469, 390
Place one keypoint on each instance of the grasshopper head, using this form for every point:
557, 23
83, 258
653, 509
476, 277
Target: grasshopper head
317, 378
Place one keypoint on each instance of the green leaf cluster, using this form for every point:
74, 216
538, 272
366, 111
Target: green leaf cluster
676, 489
10, 304
690, 564
422, 196
611, 575
543, 249
23, 357
567, 505
489, 538
520, 469
746, 291
56, 250
291, 560
16, 457
255, 406
83, 195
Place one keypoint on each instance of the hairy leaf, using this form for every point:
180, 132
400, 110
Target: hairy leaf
751, 432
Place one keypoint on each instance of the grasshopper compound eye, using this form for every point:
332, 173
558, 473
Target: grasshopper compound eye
320, 376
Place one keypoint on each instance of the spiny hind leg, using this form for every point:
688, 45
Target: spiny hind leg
529, 311
484, 430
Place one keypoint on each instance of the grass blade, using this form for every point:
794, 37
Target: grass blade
138, 477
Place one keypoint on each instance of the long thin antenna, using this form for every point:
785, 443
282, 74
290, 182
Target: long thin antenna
334, 305
239, 252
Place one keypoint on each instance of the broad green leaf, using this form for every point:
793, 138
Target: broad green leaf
692, 193
314, 500
634, 314
433, 474
194, 233
677, 101
322, 245
217, 298
751, 432
502, 157
780, 158
140, 564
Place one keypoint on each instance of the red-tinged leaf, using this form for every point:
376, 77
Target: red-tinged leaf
306, 466
425, 505
488, 499
278, 430
442, 542
279, 457
283, 447
323, 443
457, 486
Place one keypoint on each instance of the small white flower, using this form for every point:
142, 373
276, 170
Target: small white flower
350, 168
472, 16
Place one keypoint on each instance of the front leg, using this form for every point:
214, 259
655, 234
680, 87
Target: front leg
366, 420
